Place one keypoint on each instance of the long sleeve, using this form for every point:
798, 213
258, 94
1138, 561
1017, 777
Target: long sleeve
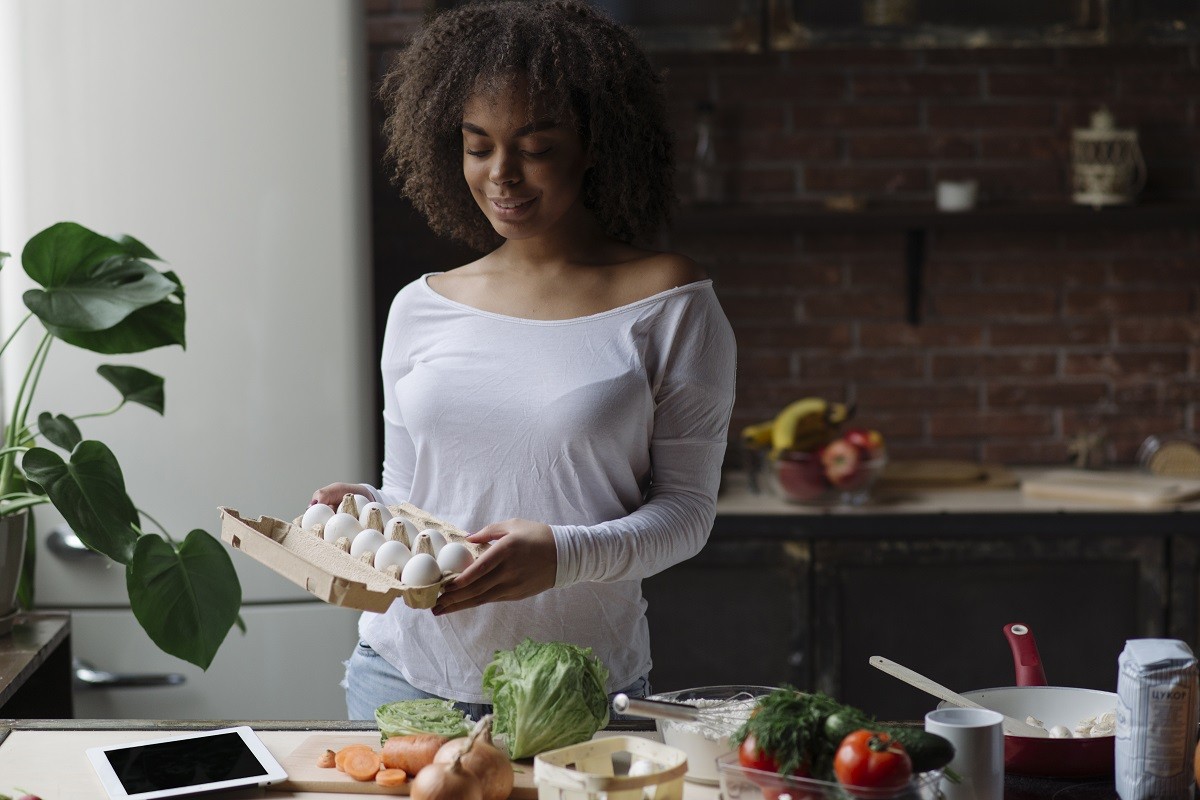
399, 453
693, 401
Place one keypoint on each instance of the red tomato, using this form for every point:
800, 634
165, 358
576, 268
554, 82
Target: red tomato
751, 756
872, 760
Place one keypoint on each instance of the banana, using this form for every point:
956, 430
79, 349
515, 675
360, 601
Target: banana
759, 434
807, 424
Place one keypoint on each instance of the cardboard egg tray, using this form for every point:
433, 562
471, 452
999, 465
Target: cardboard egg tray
326, 571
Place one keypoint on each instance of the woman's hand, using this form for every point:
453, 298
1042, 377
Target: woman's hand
332, 494
522, 562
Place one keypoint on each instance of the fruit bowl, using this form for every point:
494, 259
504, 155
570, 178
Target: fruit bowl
815, 478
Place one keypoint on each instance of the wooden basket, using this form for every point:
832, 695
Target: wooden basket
587, 771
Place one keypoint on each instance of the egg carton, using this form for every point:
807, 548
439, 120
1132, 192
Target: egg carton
328, 572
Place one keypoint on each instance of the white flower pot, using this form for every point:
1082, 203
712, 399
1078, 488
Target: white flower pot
12, 553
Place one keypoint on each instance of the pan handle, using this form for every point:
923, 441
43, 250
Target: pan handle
1026, 661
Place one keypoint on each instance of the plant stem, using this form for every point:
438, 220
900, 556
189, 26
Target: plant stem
13, 335
94, 414
16, 425
158, 525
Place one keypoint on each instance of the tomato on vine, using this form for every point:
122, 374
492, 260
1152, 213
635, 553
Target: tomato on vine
872, 759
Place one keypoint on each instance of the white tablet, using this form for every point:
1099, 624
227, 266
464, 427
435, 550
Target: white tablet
185, 763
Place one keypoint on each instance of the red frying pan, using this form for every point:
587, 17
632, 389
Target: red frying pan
1053, 705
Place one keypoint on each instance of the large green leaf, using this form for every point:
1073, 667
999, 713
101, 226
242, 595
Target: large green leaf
61, 430
90, 494
100, 297
135, 248
136, 385
186, 599
154, 326
64, 252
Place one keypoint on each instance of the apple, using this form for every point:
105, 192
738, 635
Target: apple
869, 442
843, 464
802, 480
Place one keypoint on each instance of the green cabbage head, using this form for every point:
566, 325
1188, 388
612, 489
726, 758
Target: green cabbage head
546, 695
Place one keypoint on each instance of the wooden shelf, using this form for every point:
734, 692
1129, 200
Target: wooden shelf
797, 218
917, 222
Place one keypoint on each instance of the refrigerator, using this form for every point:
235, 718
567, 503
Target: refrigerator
230, 137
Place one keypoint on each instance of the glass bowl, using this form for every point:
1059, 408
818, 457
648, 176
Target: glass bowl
741, 783
804, 477
727, 708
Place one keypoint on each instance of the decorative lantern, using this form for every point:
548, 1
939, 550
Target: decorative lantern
1106, 163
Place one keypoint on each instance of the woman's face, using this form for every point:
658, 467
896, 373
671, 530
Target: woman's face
526, 176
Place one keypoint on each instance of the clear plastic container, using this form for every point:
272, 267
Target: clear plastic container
801, 477
740, 783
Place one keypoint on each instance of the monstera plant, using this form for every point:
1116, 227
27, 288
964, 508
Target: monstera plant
102, 294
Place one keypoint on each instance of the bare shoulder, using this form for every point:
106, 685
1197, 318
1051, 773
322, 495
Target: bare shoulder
652, 273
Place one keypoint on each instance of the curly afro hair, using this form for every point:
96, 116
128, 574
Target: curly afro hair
575, 62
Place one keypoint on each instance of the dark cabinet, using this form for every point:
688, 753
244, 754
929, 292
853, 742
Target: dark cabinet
735, 613
807, 600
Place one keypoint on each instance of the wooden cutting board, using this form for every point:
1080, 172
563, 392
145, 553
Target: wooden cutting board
305, 776
945, 474
1112, 488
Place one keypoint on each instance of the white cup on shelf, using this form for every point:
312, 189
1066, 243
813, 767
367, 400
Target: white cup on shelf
956, 195
978, 741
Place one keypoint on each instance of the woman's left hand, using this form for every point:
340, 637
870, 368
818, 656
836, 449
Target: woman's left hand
521, 562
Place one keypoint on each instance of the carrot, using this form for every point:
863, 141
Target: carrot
391, 777
412, 752
327, 759
362, 765
339, 758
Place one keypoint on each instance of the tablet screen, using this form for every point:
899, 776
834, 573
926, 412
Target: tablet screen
184, 762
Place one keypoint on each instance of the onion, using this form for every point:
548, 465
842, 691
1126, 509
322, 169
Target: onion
480, 757
446, 782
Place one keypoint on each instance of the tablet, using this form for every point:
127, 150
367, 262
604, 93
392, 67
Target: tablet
186, 763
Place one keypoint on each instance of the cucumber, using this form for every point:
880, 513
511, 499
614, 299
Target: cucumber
926, 750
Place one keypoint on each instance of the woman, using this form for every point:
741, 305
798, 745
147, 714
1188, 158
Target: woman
566, 396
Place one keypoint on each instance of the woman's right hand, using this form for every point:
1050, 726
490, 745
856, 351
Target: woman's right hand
332, 494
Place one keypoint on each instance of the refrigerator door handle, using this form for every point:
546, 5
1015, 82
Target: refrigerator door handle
63, 542
87, 676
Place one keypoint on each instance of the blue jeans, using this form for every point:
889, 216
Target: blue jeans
371, 682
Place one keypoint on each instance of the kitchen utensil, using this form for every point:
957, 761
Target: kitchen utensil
1011, 725
1027, 662
675, 715
1053, 705
305, 776
978, 751
720, 718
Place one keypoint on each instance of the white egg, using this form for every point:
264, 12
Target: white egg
454, 557
390, 532
364, 513
392, 554
368, 539
361, 500
317, 514
340, 525
421, 570
436, 539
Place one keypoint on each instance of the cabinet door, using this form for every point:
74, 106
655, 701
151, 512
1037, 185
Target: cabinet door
735, 613
939, 605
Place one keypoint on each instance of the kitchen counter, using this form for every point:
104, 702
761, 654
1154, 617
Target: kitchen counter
737, 499
46, 757
787, 593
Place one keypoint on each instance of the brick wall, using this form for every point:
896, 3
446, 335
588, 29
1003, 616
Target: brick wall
1026, 338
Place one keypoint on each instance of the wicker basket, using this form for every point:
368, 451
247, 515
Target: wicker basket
588, 771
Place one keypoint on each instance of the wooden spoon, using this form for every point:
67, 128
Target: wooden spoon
1011, 725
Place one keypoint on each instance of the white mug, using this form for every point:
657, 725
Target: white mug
956, 195
978, 743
